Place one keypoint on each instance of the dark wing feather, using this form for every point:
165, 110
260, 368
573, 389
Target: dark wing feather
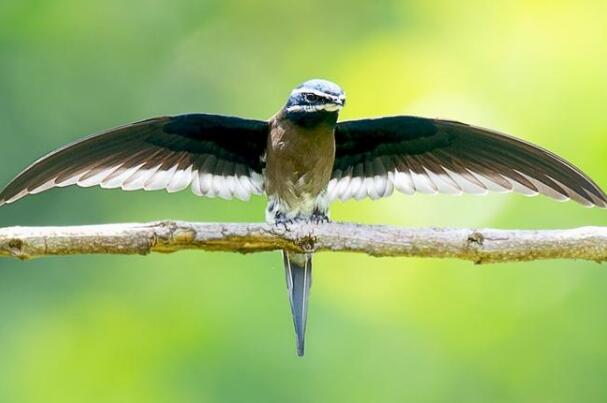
215, 155
375, 156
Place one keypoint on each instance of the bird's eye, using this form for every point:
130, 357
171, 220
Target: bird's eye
311, 97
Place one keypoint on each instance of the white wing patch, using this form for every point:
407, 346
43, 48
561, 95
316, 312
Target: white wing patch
385, 174
235, 181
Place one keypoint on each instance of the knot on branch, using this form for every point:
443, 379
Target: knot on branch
307, 243
474, 243
15, 247
475, 239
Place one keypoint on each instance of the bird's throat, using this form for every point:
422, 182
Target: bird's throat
312, 119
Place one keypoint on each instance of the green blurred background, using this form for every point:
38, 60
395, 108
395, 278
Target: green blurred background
216, 327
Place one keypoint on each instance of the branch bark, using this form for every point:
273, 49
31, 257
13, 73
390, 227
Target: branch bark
477, 245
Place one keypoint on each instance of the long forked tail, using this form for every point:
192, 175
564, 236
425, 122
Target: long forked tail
298, 271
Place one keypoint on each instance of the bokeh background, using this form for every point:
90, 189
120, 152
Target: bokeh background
216, 327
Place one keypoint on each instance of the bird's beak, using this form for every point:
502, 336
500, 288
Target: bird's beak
333, 107
338, 103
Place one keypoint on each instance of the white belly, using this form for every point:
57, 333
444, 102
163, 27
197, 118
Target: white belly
299, 209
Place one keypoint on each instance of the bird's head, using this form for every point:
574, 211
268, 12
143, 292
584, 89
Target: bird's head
316, 96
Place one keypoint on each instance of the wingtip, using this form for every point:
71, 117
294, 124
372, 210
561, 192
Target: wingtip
602, 205
595, 199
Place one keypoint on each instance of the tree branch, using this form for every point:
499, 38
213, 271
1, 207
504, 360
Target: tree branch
477, 245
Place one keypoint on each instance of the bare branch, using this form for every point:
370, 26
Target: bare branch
477, 245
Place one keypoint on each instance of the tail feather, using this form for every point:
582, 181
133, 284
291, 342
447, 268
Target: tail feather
298, 270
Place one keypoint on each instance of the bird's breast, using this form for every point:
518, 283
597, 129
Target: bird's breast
299, 161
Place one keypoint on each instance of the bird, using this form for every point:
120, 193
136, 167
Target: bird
302, 159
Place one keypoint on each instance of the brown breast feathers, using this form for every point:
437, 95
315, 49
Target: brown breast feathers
299, 160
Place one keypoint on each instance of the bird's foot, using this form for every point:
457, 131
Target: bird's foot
281, 220
318, 217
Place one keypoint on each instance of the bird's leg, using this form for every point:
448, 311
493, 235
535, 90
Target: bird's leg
319, 217
276, 215
320, 213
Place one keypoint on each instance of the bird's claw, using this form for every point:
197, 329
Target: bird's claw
318, 218
315, 218
285, 223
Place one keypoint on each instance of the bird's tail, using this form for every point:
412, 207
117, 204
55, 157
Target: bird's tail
298, 270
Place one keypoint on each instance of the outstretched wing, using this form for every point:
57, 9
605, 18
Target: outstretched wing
412, 154
214, 155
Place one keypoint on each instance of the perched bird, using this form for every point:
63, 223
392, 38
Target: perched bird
302, 159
